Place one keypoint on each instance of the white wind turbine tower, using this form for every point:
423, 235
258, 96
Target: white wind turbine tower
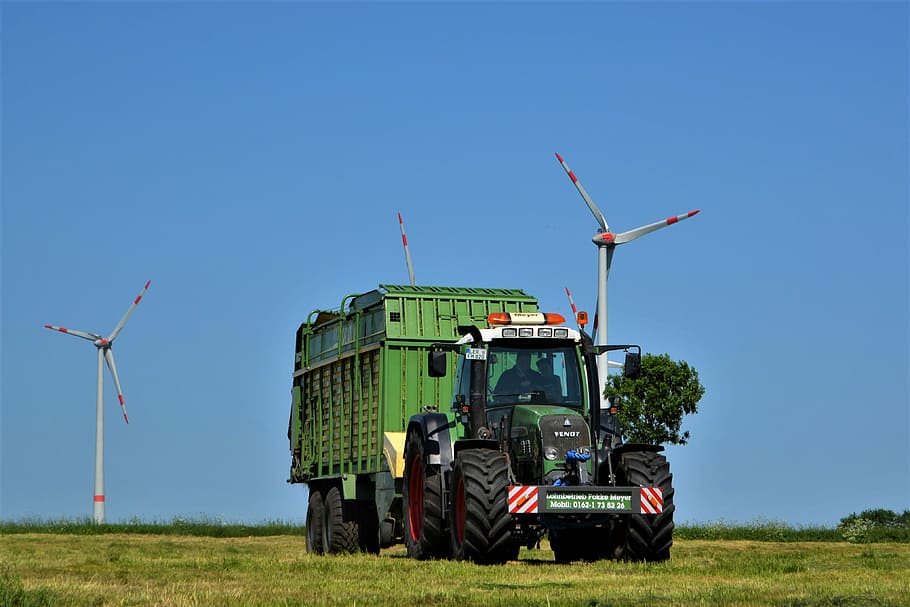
104, 352
607, 240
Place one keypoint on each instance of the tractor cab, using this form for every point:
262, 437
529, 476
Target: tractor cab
522, 383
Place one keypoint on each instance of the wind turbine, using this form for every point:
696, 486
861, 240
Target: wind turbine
104, 353
607, 240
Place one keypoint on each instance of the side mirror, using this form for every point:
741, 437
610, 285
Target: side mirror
632, 365
436, 363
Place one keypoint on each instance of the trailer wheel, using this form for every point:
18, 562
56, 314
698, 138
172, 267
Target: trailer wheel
481, 523
315, 523
645, 537
422, 502
341, 535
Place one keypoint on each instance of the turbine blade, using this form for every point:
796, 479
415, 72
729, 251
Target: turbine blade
572, 303
597, 214
574, 309
639, 232
407, 252
82, 334
109, 358
594, 323
135, 303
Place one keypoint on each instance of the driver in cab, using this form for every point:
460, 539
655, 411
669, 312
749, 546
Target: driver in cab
521, 378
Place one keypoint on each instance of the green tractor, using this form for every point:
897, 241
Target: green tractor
525, 451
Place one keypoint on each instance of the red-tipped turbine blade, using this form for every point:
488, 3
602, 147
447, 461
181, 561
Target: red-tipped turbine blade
407, 252
129, 311
82, 334
571, 302
639, 232
109, 357
597, 214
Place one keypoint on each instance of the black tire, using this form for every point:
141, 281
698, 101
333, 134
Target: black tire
315, 523
645, 537
340, 535
422, 503
481, 523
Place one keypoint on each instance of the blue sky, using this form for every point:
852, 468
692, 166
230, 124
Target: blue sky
250, 160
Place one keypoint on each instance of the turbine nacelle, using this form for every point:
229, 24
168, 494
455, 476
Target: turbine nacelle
610, 238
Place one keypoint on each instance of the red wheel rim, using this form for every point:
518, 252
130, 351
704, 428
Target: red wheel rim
415, 498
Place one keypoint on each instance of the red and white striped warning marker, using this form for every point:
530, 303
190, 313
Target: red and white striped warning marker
522, 499
652, 500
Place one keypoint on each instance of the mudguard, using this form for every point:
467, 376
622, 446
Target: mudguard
636, 447
436, 430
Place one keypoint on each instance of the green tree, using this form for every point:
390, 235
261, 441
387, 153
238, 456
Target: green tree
652, 405
879, 518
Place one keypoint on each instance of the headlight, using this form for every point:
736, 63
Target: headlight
551, 453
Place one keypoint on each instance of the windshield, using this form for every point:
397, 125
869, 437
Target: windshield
550, 375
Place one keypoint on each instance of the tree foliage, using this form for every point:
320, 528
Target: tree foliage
652, 406
879, 518
876, 525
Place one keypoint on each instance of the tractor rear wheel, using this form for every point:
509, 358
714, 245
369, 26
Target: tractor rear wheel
481, 523
645, 537
341, 535
315, 523
422, 502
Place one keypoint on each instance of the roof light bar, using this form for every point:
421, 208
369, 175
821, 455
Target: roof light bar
525, 318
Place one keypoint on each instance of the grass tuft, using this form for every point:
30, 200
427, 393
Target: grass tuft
14, 594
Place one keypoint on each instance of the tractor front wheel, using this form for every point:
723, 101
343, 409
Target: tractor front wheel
481, 523
645, 537
422, 502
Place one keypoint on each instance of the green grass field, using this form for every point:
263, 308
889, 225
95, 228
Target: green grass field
172, 567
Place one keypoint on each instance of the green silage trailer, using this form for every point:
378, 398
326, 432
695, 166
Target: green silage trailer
360, 374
